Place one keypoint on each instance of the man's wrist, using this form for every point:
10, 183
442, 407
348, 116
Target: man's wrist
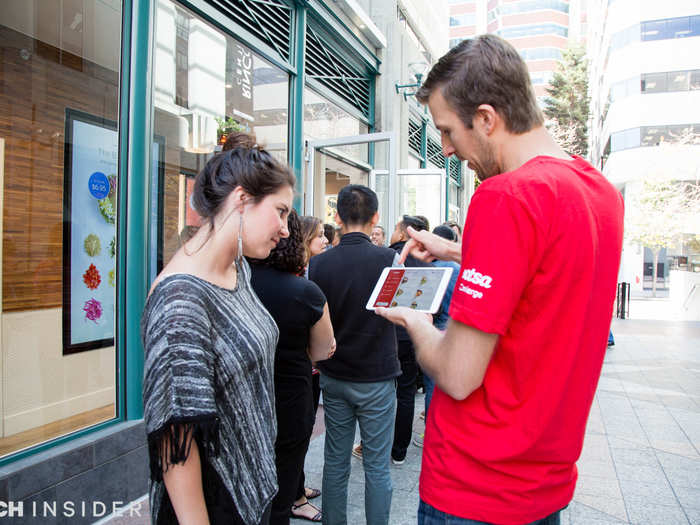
456, 253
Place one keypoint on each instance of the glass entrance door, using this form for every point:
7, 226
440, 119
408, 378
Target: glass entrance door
331, 165
419, 192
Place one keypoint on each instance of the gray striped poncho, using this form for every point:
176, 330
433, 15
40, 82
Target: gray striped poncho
209, 373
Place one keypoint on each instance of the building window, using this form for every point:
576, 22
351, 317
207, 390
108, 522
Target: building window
624, 88
325, 120
654, 83
670, 81
625, 37
647, 136
626, 139
657, 82
680, 27
527, 6
541, 53
337, 166
533, 30
679, 81
465, 19
541, 77
695, 79
228, 88
60, 100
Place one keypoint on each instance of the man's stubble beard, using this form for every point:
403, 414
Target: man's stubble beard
488, 167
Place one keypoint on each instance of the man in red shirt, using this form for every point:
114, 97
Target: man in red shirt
518, 366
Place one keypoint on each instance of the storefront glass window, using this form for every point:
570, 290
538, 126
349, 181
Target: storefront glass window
325, 120
58, 165
420, 195
206, 85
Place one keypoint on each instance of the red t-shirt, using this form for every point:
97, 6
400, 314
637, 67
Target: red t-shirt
540, 258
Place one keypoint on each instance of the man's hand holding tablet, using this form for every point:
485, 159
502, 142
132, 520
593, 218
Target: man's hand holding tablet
402, 316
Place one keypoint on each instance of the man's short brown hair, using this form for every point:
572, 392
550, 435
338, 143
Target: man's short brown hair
485, 70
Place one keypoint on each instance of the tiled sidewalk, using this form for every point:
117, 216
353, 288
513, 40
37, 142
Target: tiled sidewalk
641, 458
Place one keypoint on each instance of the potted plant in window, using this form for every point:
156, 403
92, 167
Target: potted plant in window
226, 126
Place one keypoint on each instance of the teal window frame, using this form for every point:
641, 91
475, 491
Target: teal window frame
135, 132
134, 154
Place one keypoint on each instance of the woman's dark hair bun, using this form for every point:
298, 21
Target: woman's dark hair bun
242, 162
239, 140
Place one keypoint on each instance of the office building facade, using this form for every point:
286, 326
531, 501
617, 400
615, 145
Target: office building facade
539, 29
645, 118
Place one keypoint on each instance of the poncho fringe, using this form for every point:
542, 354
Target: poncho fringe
173, 442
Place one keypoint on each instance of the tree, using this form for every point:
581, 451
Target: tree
659, 214
567, 106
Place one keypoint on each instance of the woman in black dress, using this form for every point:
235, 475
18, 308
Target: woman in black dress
301, 313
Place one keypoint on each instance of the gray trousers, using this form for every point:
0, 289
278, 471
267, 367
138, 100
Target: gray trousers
373, 406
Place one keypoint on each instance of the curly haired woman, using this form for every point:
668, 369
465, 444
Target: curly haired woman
301, 313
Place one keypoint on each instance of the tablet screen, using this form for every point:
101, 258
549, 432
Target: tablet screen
416, 288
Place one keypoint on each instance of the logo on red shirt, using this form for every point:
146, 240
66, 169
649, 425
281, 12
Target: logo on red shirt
475, 277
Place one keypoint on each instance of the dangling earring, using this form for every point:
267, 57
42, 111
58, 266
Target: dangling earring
239, 253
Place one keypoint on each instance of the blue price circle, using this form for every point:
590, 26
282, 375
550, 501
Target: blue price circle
98, 185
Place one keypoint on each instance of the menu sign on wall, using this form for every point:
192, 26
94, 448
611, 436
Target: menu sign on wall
89, 232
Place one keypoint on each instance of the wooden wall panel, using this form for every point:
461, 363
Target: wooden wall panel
37, 83
171, 196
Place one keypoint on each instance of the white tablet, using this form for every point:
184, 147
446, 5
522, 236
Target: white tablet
417, 288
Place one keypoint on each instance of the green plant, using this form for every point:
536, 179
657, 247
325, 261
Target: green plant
227, 125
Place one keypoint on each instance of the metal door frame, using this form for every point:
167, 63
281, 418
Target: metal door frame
429, 172
367, 138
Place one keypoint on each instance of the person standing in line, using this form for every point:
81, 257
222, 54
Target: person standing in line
517, 368
406, 382
456, 228
209, 350
440, 319
313, 245
338, 235
299, 308
378, 237
315, 240
359, 383
329, 232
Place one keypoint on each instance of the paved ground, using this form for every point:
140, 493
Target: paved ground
641, 457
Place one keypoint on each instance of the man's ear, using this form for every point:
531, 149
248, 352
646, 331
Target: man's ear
337, 219
375, 219
486, 119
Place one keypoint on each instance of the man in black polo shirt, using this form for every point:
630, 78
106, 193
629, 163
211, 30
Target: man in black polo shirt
359, 382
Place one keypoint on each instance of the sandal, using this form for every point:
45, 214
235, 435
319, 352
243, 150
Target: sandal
311, 493
316, 518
